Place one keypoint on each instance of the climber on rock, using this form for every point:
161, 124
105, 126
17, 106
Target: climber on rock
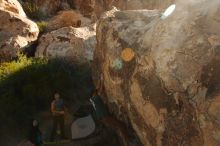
57, 109
104, 116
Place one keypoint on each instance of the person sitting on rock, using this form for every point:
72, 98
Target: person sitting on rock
104, 116
57, 109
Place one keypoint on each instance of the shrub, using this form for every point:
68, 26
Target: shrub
42, 25
8, 68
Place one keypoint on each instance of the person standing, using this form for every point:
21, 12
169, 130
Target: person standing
57, 109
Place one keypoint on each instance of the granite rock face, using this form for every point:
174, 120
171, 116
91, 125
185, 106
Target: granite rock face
13, 6
77, 44
161, 74
16, 30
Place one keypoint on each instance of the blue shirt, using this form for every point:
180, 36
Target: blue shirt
59, 105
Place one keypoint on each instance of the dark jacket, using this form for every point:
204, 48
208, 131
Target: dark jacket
35, 136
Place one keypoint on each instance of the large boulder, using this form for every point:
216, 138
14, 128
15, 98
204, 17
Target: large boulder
77, 44
161, 74
16, 30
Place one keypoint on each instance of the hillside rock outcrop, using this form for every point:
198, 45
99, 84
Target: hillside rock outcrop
77, 44
16, 30
161, 74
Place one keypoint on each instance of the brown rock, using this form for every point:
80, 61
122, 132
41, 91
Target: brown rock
87, 7
67, 18
16, 31
94, 8
68, 42
48, 7
151, 65
102, 6
64, 19
214, 108
12, 6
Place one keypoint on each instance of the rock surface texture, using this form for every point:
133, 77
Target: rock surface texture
65, 19
13, 6
162, 75
94, 8
68, 18
16, 30
48, 7
86, 7
103, 5
68, 42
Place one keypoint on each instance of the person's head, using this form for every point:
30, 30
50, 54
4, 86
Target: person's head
57, 96
35, 123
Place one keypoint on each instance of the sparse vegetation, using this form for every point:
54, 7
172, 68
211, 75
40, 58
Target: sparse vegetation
32, 10
42, 25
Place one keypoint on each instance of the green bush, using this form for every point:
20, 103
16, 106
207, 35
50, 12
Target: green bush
42, 25
27, 86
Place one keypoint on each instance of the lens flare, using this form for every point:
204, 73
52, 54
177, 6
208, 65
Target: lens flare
168, 11
127, 54
117, 64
